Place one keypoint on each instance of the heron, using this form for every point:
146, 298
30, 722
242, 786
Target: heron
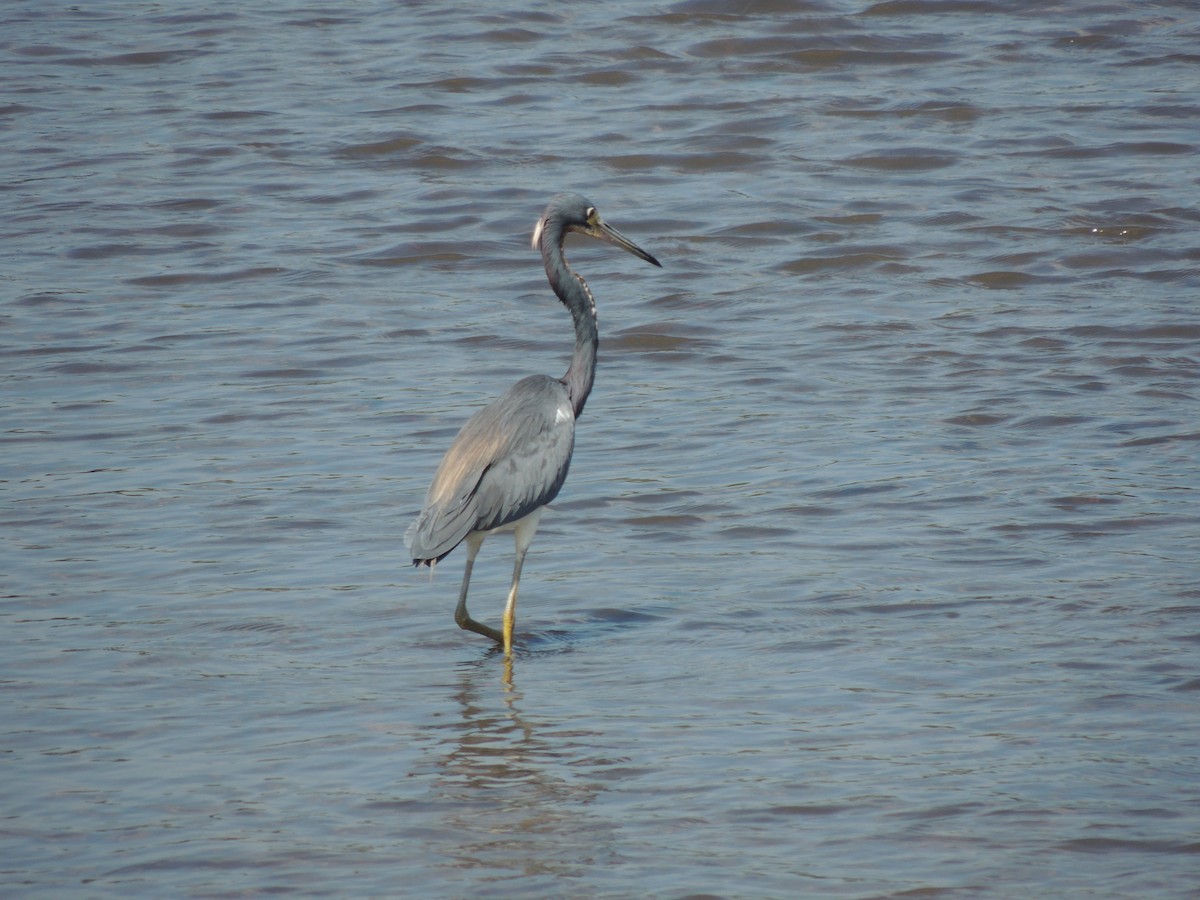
511, 458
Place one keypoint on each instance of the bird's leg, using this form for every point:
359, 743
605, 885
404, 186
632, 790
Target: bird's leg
523, 535
510, 608
461, 616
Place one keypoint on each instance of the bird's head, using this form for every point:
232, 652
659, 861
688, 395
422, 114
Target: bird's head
567, 213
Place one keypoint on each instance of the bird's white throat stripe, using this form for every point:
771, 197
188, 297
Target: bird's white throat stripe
588, 291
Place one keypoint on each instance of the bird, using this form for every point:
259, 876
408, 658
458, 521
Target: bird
511, 458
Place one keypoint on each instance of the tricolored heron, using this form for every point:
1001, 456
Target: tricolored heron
511, 458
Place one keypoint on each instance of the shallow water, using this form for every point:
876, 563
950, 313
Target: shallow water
876, 569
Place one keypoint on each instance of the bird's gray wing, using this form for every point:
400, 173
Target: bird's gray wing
509, 458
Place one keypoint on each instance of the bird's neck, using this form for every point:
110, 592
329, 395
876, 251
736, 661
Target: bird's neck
573, 291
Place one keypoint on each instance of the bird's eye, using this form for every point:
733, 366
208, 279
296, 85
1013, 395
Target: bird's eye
592, 215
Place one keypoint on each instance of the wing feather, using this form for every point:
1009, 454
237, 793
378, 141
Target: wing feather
509, 458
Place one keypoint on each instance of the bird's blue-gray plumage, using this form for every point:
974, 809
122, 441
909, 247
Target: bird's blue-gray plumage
511, 458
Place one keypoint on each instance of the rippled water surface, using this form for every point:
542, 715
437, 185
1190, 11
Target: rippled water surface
876, 572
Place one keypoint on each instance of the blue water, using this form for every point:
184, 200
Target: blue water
875, 573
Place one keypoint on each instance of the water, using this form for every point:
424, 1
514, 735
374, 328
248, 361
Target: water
876, 569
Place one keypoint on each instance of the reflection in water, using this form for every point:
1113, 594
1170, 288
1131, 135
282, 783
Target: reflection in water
510, 784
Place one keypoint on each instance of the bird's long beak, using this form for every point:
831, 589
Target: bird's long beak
604, 232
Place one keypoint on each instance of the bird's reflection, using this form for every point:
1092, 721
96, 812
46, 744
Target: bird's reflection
511, 784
